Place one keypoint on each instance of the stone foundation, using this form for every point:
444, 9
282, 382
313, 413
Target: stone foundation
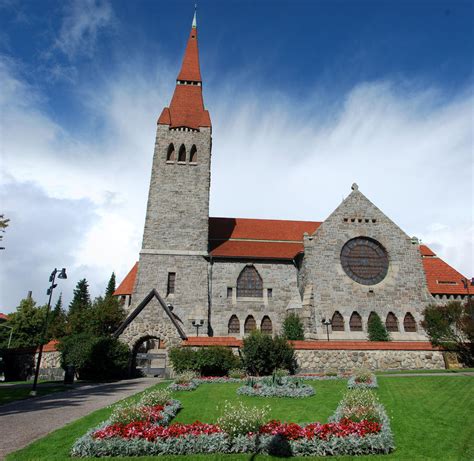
344, 360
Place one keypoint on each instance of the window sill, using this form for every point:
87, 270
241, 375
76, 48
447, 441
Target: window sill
250, 299
181, 163
170, 162
193, 163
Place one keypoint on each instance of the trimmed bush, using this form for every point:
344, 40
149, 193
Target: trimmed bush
293, 329
262, 354
376, 329
95, 358
182, 359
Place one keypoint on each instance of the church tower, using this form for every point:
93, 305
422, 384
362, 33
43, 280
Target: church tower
175, 239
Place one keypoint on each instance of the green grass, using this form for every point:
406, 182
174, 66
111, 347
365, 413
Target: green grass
423, 372
8, 394
432, 419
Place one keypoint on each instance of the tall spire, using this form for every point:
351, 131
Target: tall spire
194, 25
187, 106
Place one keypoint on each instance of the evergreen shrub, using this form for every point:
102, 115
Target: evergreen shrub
293, 329
376, 329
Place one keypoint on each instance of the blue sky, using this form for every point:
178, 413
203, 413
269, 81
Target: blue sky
314, 94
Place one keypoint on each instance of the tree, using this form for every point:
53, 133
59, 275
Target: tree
451, 326
57, 322
109, 292
79, 308
28, 323
105, 316
376, 329
293, 327
3, 225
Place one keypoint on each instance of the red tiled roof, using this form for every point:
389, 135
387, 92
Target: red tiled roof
187, 106
126, 287
50, 347
258, 238
3, 316
230, 341
190, 70
441, 277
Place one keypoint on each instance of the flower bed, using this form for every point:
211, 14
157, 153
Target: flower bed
369, 382
289, 389
183, 386
245, 432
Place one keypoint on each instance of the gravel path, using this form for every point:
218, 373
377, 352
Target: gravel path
25, 421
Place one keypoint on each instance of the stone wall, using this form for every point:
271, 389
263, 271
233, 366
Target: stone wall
346, 360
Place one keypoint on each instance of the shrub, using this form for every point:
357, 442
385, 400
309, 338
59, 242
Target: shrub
262, 354
216, 361
293, 327
155, 398
376, 329
95, 358
238, 419
182, 359
237, 373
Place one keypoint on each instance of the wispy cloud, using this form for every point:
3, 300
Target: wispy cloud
409, 150
82, 23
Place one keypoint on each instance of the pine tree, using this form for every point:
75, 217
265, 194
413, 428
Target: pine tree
79, 308
57, 323
109, 292
376, 329
293, 327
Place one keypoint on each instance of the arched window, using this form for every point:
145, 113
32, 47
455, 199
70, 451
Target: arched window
182, 154
266, 326
391, 323
355, 322
193, 154
234, 325
409, 323
171, 155
249, 324
249, 284
337, 322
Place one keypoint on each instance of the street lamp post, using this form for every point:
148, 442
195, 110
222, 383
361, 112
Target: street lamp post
197, 324
327, 322
52, 278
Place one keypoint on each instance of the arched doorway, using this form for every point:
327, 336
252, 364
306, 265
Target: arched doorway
149, 357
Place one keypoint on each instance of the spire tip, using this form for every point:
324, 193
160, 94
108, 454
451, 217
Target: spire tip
194, 18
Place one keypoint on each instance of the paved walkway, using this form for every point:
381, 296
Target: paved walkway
25, 421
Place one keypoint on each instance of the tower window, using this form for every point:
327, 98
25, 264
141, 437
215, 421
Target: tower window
171, 283
391, 322
270, 292
182, 154
337, 322
249, 283
170, 155
355, 322
193, 154
234, 325
409, 323
250, 324
266, 327
229, 292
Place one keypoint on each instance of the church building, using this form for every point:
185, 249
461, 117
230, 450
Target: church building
225, 276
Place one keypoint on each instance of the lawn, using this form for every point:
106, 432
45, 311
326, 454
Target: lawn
10, 394
432, 418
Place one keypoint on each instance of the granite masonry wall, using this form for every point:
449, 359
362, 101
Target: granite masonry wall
346, 360
403, 289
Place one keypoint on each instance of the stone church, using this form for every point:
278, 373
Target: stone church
224, 277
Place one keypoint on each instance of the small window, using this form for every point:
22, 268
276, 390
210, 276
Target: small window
170, 155
171, 283
355, 322
250, 324
270, 292
391, 323
337, 322
266, 326
193, 154
409, 323
234, 325
249, 283
182, 154
229, 292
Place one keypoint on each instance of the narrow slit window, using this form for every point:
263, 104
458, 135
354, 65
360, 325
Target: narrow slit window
170, 155
193, 154
171, 283
182, 154
229, 292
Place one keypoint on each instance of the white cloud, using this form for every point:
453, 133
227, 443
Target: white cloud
410, 152
83, 21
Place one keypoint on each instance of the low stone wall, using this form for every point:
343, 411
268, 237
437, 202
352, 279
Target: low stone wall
344, 360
